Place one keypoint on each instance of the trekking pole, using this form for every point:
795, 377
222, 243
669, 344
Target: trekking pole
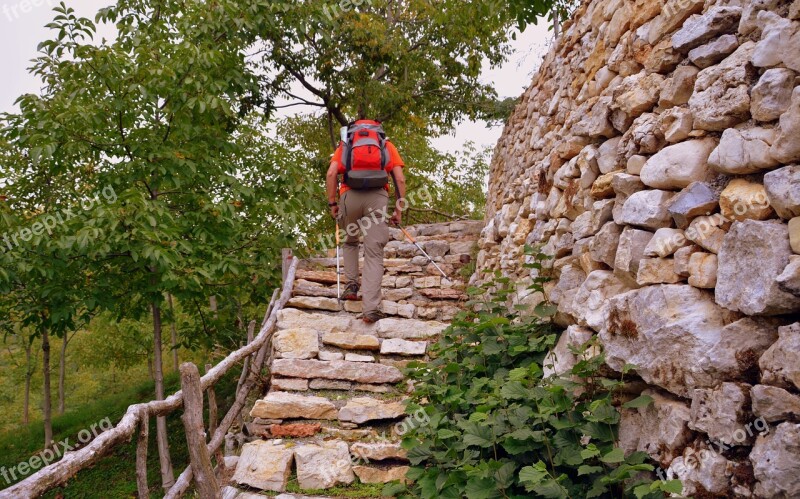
338, 271
410, 238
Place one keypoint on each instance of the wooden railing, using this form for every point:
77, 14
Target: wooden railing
190, 397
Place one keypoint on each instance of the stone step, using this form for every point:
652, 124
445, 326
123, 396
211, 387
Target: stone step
360, 372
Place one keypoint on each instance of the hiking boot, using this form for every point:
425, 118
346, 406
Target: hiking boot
373, 317
350, 292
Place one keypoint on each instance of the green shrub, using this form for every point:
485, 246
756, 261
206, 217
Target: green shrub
499, 428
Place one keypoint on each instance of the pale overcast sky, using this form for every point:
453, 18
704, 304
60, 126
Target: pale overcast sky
22, 28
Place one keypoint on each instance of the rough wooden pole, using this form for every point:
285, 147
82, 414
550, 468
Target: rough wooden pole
286, 261
207, 486
213, 418
141, 455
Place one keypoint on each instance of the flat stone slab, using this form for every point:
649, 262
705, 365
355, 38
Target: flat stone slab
264, 465
285, 405
359, 372
323, 466
299, 343
399, 346
379, 475
362, 409
352, 341
378, 451
315, 303
292, 318
408, 329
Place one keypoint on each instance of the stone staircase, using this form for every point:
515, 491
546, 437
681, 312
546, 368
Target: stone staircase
335, 413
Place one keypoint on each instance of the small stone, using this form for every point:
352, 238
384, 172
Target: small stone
359, 410
713, 52
365, 387
630, 252
353, 307
774, 404
397, 346
772, 94
647, 209
608, 155
427, 282
339, 370
292, 318
789, 280
602, 188
783, 190
749, 22
436, 248
285, 405
780, 364
656, 271
635, 164
301, 343
660, 429
324, 465
398, 294
352, 341
409, 329
676, 124
290, 384
794, 234
626, 185
679, 88
665, 242
683, 257
378, 451
702, 469
314, 303
776, 462
700, 29
744, 151
752, 256
677, 166
592, 297
720, 412
744, 200
603, 247
706, 232
296, 430
354, 357
264, 465
703, 270
786, 148
695, 200
328, 356
329, 384
379, 475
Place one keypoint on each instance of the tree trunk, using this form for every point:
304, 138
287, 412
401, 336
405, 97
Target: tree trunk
167, 475
174, 342
62, 374
47, 408
26, 408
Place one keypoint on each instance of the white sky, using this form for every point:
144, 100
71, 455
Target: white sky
22, 28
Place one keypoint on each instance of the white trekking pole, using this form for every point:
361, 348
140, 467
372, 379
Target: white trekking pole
411, 238
338, 271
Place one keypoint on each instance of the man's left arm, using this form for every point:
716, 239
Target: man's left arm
400, 193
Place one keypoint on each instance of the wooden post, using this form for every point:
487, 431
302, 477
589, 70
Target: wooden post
286, 261
141, 455
207, 486
213, 418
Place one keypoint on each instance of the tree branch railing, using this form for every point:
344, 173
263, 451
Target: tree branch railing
137, 417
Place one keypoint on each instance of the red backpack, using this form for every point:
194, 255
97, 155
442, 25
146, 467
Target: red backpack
365, 156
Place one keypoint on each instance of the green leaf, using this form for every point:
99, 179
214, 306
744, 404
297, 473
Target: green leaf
617, 455
638, 402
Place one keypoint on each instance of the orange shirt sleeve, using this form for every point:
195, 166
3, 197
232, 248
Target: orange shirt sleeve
394, 157
337, 156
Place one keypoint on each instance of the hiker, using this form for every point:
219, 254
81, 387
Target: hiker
366, 160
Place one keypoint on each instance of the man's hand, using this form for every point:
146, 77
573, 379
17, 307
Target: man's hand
397, 217
335, 211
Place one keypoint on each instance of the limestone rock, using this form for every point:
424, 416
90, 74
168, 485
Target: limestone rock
368, 474
776, 462
665, 242
702, 469
397, 346
789, 280
314, 303
323, 355
703, 270
679, 88
753, 254
285, 405
721, 412
695, 200
659, 429
341, 370
379, 451
772, 94
783, 190
794, 234
676, 124
603, 247
637, 94
749, 22
290, 384
592, 296
352, 341
707, 232
780, 364
714, 51
672, 16
264, 465
679, 339
635, 164
745, 200
780, 43
683, 257
354, 357
409, 329
329, 384
297, 430
292, 318
700, 29
632, 245
774, 404
656, 271
362, 409
677, 166
744, 151
647, 209
324, 465
560, 359
787, 148
300, 343
721, 96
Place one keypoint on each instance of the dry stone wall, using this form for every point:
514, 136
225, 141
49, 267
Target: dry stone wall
656, 158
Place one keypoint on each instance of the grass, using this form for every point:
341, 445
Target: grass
114, 476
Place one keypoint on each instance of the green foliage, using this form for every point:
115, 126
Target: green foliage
500, 428
527, 12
